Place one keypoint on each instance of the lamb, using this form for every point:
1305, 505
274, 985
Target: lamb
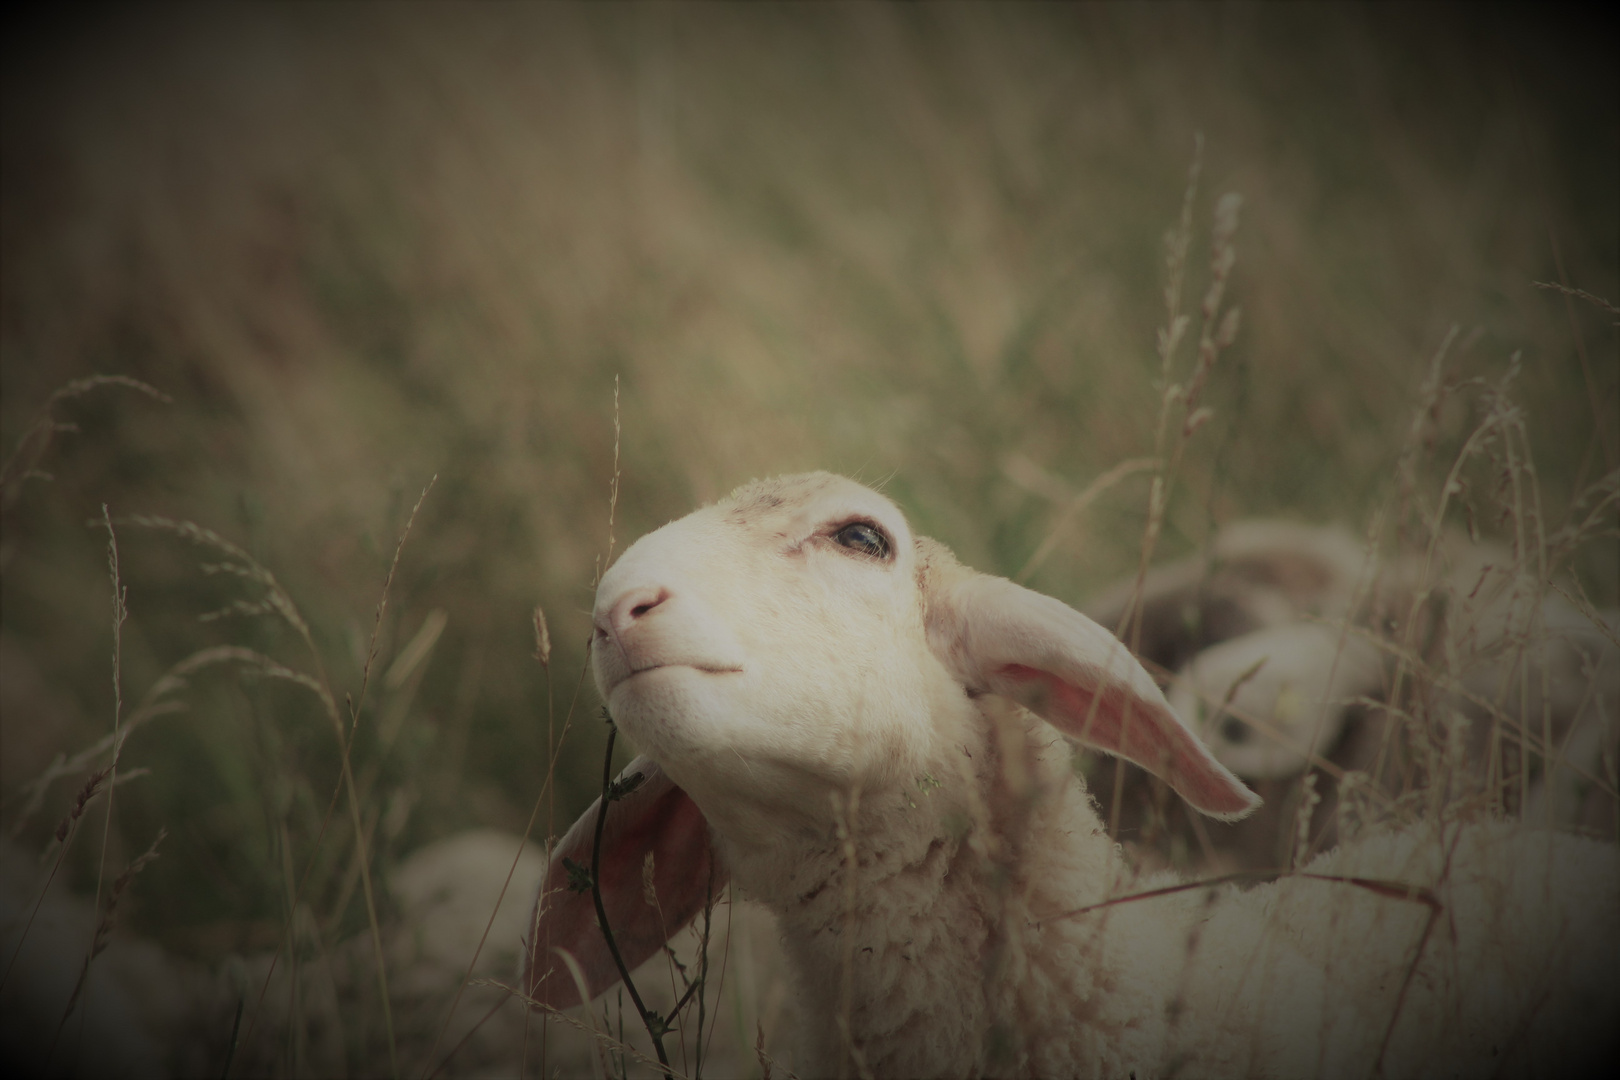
1280, 641
872, 739
1299, 684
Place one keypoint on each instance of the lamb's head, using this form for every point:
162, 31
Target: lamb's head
796, 641
1269, 702
771, 647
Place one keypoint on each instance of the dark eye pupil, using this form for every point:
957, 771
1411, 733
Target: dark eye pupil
859, 536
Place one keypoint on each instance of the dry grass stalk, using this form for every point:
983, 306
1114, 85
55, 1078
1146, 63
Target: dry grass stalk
601, 1038
276, 601
1073, 505
604, 561
542, 638
33, 793
382, 608
760, 1055
91, 788
545, 796
104, 926
66, 829
1218, 329
24, 462
1598, 302
120, 614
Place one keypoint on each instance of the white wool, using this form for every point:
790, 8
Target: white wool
925, 843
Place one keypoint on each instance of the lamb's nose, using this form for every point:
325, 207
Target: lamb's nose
630, 606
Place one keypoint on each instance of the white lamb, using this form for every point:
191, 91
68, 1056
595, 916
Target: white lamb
833, 713
1274, 678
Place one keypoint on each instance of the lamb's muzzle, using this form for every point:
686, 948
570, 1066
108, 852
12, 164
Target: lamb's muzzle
864, 735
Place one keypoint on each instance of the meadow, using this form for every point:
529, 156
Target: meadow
420, 314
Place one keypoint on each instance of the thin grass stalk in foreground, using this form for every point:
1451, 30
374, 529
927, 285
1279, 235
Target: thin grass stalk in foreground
1217, 331
1600, 430
1499, 440
613, 489
358, 702
62, 765
542, 653
24, 461
345, 744
68, 829
1474, 444
706, 1044
99, 938
649, 894
1074, 506
120, 615
600, 1038
697, 986
1432, 394
612, 792
1394, 890
65, 832
277, 600
109, 775
702, 983
547, 789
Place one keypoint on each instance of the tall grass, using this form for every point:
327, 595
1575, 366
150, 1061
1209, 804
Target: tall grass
361, 246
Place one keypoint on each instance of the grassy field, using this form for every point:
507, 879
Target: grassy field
517, 248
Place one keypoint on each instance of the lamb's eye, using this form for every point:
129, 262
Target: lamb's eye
864, 537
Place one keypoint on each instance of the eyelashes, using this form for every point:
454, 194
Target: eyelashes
864, 538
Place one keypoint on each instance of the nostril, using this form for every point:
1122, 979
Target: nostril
634, 605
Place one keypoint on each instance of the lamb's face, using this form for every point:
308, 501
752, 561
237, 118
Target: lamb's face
1268, 700
771, 646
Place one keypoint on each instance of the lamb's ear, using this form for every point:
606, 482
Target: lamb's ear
657, 818
1002, 638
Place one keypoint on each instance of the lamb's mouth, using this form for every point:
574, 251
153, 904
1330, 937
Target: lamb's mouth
707, 669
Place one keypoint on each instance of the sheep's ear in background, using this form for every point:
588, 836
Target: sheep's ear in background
1002, 638
1164, 633
658, 819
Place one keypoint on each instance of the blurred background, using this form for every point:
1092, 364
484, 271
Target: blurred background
517, 247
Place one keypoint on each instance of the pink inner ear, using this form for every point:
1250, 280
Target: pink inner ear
1132, 727
658, 817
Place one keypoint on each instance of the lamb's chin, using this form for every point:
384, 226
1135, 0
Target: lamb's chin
669, 710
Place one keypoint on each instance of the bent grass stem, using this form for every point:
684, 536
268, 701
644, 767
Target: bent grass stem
656, 1025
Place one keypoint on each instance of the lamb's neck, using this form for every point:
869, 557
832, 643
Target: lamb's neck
875, 917
901, 911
